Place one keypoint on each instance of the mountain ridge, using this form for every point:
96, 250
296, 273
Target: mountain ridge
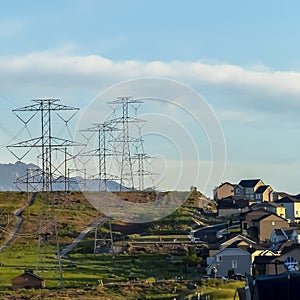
10, 172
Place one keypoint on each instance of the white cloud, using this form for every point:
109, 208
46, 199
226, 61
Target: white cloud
57, 71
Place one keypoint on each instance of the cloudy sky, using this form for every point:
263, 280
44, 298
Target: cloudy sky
241, 57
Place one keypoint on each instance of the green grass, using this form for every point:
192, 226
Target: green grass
82, 270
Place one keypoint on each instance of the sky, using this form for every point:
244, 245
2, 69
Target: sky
241, 58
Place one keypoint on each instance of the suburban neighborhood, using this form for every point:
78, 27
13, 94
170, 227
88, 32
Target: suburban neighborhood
247, 231
269, 229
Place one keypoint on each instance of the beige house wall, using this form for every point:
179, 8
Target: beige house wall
268, 194
225, 190
280, 211
267, 225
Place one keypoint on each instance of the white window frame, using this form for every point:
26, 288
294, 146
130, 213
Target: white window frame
219, 258
234, 264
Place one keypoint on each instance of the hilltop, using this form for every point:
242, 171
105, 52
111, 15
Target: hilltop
82, 270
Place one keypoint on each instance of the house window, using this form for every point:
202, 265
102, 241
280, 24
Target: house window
257, 196
249, 190
273, 223
234, 264
219, 258
237, 190
296, 212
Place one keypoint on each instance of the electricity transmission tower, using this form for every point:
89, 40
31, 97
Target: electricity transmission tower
103, 133
118, 147
125, 141
47, 143
49, 172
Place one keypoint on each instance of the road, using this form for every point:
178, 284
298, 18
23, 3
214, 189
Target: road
211, 234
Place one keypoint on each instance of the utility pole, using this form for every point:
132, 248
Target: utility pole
46, 175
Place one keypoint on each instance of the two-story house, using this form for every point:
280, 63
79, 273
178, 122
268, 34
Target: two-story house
247, 188
229, 259
292, 208
263, 226
251, 215
266, 265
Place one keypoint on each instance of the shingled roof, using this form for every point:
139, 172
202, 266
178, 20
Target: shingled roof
288, 199
249, 183
261, 189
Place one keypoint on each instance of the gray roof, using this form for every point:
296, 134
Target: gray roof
249, 183
279, 232
261, 189
288, 199
264, 205
233, 203
266, 216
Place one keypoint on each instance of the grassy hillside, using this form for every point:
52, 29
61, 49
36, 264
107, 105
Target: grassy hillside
82, 271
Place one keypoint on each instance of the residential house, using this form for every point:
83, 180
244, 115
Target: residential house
262, 252
28, 280
247, 188
250, 215
273, 207
292, 208
228, 259
263, 226
284, 234
263, 193
279, 195
225, 190
232, 206
268, 265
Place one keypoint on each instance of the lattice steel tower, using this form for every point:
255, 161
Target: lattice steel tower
46, 142
125, 139
103, 133
48, 173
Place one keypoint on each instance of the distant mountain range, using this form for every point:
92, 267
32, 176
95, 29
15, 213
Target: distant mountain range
9, 173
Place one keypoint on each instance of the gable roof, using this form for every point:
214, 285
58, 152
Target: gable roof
261, 189
262, 259
232, 251
288, 199
224, 183
279, 232
282, 194
267, 215
29, 273
265, 204
258, 212
289, 248
249, 183
238, 238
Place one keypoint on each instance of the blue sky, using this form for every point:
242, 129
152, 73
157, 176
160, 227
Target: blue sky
242, 57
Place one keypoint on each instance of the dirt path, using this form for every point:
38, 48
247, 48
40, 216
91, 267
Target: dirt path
18, 215
80, 237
